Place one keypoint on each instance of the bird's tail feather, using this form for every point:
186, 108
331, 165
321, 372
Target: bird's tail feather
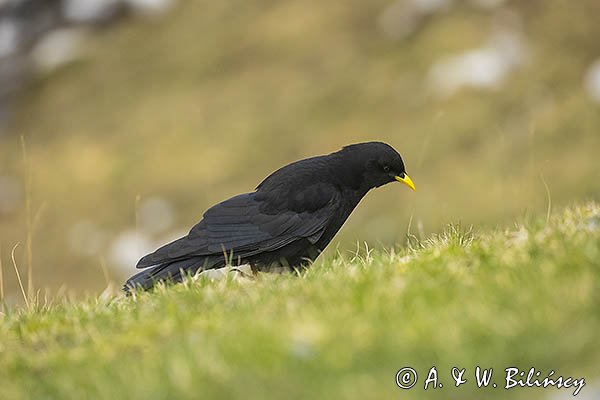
172, 272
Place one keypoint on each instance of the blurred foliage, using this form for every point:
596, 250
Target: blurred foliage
203, 103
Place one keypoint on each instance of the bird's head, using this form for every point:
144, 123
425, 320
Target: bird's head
379, 163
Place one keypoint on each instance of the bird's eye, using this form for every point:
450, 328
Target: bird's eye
386, 168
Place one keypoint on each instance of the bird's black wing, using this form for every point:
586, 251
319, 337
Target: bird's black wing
255, 222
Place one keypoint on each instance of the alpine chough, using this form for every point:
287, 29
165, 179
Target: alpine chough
286, 222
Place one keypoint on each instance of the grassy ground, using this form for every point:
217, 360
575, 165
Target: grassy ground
523, 297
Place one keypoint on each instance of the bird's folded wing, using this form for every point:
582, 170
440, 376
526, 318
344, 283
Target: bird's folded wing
244, 225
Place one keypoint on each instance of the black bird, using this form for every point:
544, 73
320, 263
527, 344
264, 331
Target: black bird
286, 222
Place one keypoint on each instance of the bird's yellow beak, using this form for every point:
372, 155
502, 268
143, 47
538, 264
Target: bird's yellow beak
407, 181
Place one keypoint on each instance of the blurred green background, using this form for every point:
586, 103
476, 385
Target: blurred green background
158, 118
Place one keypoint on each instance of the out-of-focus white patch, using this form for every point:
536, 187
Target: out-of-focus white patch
484, 68
83, 11
478, 68
150, 7
240, 271
57, 48
405, 259
128, 247
591, 81
86, 238
592, 223
302, 349
10, 194
401, 18
9, 36
519, 236
155, 215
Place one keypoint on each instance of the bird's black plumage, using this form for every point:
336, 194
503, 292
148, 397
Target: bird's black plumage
287, 221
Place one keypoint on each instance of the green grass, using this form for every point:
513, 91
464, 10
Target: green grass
524, 297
